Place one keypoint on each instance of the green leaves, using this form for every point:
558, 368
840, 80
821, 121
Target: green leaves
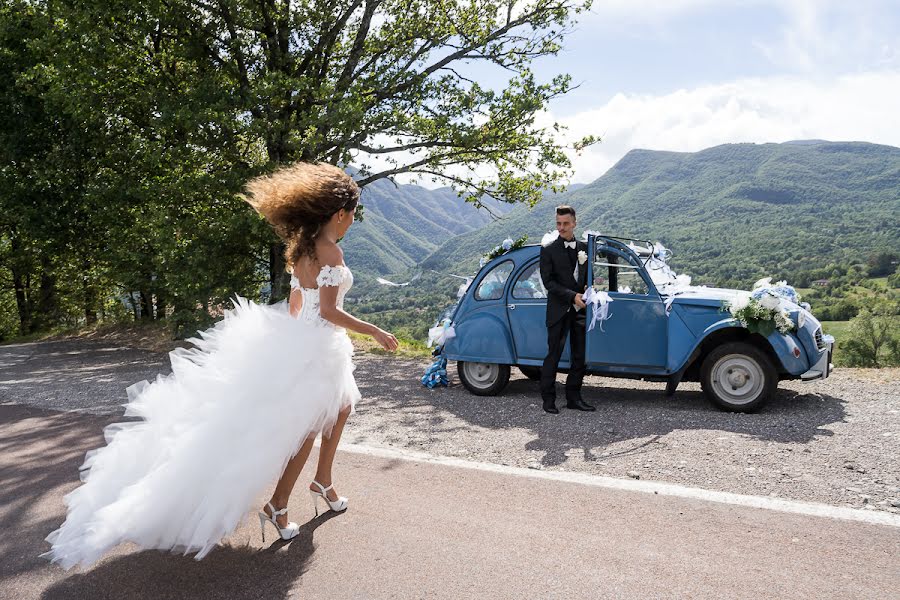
132, 125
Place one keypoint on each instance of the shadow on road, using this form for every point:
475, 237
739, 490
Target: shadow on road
74, 374
235, 572
40, 452
624, 414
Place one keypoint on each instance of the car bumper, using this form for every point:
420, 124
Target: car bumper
823, 367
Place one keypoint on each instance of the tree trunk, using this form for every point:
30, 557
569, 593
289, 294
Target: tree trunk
88, 295
22, 304
160, 306
146, 306
278, 277
22, 285
279, 281
47, 310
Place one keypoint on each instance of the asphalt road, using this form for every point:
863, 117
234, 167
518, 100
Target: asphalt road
417, 529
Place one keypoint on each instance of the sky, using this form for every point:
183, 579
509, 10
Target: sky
685, 75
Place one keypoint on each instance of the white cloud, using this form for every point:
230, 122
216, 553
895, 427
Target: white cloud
859, 107
826, 36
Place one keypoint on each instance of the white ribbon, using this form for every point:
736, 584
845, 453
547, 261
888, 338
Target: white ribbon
601, 301
441, 333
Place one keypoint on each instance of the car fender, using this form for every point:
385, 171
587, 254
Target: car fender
781, 346
784, 345
481, 337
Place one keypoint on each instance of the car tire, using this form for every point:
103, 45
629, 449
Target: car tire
531, 372
483, 379
738, 377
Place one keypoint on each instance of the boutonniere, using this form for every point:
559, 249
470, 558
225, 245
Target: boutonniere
582, 257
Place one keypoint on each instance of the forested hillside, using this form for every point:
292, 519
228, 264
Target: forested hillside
404, 224
732, 213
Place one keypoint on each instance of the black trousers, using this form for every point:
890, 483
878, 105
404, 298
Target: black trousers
573, 326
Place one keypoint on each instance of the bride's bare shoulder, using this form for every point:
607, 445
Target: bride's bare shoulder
329, 253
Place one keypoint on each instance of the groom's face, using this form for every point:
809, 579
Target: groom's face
565, 225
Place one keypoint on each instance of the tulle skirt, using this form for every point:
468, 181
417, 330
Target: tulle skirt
214, 435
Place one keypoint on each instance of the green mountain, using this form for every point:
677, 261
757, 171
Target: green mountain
732, 213
404, 224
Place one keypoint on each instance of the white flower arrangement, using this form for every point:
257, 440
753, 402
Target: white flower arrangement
582, 257
766, 309
502, 248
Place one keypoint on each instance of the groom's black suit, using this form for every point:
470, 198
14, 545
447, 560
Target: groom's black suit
558, 274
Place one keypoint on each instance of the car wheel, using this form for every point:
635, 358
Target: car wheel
738, 377
531, 372
483, 379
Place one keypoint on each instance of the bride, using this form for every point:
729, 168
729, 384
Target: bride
243, 407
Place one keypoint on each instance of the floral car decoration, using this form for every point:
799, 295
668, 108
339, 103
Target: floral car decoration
502, 248
767, 308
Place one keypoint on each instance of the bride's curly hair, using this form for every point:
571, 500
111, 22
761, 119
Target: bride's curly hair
298, 200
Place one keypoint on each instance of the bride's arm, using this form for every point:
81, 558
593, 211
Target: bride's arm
329, 311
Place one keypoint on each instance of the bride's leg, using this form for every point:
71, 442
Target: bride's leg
327, 452
291, 472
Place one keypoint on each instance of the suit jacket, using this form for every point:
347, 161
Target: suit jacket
558, 275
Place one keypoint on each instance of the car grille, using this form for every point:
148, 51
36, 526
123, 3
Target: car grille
820, 342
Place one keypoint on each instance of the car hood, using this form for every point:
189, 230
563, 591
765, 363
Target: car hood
710, 296
701, 295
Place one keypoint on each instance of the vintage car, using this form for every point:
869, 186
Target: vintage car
667, 332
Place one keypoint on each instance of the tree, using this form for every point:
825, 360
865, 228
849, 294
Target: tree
874, 340
384, 85
882, 263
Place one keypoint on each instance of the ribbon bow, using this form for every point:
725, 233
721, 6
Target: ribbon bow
601, 301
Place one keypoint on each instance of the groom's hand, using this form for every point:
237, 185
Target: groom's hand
579, 301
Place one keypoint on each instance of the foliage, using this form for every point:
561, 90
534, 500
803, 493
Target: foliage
873, 340
842, 210
128, 128
826, 207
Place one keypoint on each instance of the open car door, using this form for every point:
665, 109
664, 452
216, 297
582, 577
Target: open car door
635, 334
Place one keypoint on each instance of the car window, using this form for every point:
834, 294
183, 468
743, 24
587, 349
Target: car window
629, 281
529, 284
613, 273
491, 287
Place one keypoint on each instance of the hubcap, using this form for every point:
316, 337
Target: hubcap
737, 379
482, 375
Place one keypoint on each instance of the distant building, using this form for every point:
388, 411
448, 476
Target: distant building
821, 283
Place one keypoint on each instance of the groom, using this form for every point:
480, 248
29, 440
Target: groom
564, 274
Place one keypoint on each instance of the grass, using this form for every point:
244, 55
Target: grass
155, 336
839, 329
407, 349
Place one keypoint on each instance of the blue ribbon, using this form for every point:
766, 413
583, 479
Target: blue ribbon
436, 373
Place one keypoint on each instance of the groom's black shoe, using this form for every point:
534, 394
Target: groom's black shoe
550, 406
579, 404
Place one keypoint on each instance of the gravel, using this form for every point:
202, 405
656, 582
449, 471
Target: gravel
833, 441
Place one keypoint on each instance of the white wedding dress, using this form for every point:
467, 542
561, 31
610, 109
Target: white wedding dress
215, 434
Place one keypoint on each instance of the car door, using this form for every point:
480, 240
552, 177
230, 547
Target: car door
635, 333
527, 312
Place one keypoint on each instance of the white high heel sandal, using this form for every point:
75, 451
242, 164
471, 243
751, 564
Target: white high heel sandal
339, 505
291, 531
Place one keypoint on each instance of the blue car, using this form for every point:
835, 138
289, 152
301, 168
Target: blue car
660, 333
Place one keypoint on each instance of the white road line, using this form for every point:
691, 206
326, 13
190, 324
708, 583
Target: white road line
874, 517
